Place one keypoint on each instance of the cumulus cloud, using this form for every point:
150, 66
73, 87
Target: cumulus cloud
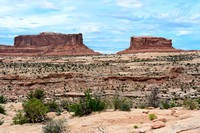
129, 3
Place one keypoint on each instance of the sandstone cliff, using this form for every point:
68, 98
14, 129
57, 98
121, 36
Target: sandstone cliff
47, 44
149, 44
49, 38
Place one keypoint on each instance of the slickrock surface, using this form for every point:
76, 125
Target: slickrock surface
109, 121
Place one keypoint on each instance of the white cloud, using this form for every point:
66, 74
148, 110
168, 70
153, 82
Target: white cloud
48, 5
89, 28
8, 36
106, 52
183, 32
129, 3
197, 16
11, 36
32, 21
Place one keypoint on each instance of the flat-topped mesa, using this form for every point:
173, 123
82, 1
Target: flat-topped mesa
149, 44
47, 44
49, 38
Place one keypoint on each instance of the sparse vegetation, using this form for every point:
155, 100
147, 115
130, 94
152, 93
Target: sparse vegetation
190, 104
166, 104
198, 101
2, 110
140, 81
65, 104
152, 117
20, 118
53, 106
152, 99
55, 126
3, 100
125, 107
35, 110
38, 94
1, 121
88, 105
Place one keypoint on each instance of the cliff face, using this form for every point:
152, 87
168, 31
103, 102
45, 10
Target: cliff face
149, 44
49, 38
48, 44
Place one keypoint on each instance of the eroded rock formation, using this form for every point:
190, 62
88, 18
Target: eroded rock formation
47, 44
149, 44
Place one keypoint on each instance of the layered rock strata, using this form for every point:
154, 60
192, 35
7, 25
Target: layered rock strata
149, 44
47, 44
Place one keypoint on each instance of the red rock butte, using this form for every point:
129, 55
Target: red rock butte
47, 44
149, 44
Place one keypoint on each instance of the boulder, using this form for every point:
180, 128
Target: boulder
145, 111
177, 70
157, 124
51, 115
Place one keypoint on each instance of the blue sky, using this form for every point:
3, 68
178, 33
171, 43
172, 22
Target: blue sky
107, 25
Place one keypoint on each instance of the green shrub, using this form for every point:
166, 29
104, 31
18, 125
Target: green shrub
152, 117
125, 107
20, 119
55, 126
173, 105
38, 94
81, 108
53, 106
96, 105
142, 106
1, 121
135, 126
35, 110
65, 104
121, 103
2, 100
117, 101
190, 104
2, 110
198, 101
88, 105
166, 104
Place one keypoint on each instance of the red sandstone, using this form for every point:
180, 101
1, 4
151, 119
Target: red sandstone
149, 44
47, 44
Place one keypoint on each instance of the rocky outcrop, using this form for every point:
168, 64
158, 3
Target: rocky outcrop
139, 79
47, 44
49, 38
149, 44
